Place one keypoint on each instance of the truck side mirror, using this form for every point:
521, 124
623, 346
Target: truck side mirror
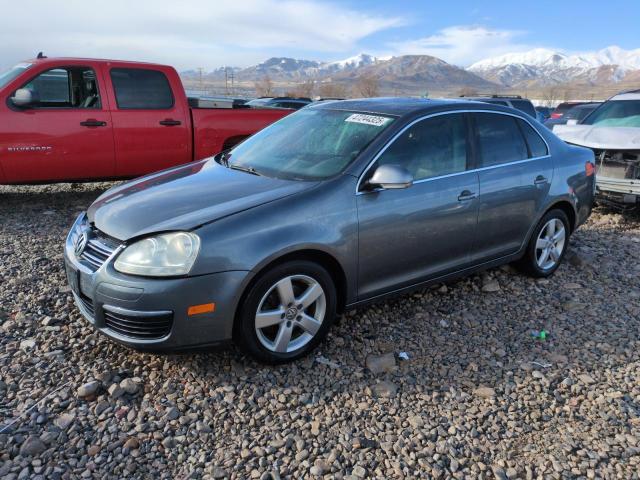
24, 98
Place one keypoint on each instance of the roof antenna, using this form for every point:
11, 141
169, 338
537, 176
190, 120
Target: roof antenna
41, 55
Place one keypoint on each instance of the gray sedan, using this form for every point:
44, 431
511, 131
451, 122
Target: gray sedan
339, 204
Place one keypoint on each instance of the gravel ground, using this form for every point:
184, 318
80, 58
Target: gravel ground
478, 396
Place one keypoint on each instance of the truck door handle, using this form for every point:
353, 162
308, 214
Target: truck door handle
466, 195
91, 122
169, 122
540, 180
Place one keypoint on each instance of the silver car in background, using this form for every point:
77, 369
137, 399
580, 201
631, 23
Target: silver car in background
339, 204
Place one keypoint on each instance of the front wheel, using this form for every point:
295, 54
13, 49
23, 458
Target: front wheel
286, 312
547, 246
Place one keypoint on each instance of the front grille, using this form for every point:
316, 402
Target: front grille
146, 328
99, 248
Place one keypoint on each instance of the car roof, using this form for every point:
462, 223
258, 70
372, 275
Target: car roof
404, 106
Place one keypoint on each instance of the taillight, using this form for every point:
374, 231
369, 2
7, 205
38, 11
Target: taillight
589, 169
556, 115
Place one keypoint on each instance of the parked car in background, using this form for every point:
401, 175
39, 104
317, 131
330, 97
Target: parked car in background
573, 115
280, 102
564, 107
70, 119
543, 113
513, 101
336, 205
612, 131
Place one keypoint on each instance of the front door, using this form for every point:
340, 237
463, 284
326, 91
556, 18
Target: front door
426, 230
65, 134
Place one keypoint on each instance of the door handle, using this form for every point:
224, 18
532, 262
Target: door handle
169, 122
540, 180
466, 195
93, 123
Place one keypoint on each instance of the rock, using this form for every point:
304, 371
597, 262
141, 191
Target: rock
219, 472
64, 421
32, 446
484, 392
93, 450
88, 389
172, 414
115, 391
132, 444
378, 364
359, 471
384, 389
586, 378
490, 286
416, 421
28, 344
129, 386
315, 428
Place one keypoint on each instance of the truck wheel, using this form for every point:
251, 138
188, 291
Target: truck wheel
547, 246
286, 312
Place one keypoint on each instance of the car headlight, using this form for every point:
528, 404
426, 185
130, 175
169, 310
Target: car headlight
164, 255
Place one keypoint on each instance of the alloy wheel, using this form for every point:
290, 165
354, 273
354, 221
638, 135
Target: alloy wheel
550, 244
290, 313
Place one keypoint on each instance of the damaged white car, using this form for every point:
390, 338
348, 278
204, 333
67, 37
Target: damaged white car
612, 131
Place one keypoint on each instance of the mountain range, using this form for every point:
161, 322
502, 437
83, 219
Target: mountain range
612, 67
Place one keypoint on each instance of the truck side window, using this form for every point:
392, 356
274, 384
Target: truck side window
72, 87
141, 89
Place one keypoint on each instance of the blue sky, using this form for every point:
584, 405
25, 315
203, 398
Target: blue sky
209, 34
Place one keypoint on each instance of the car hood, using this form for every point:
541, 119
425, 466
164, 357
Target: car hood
184, 198
604, 138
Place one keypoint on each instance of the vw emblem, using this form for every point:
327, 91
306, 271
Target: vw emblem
81, 242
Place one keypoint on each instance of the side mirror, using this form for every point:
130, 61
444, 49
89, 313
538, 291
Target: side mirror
23, 98
391, 177
572, 121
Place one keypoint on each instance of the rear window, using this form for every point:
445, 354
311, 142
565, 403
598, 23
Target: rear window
499, 139
537, 146
141, 89
524, 106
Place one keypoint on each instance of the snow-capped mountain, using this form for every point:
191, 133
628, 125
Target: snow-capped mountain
543, 66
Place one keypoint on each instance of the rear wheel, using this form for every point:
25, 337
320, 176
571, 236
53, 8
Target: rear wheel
547, 246
286, 312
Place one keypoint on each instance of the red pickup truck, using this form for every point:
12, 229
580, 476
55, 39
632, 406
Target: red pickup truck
64, 119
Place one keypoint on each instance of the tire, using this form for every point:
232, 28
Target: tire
283, 331
534, 263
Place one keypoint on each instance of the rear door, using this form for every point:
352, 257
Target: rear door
408, 235
65, 135
151, 126
515, 175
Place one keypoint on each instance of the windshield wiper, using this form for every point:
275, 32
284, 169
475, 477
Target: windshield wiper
250, 170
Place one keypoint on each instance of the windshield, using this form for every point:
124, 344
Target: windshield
616, 113
13, 72
311, 144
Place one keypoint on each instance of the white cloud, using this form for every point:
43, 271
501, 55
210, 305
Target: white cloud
463, 45
186, 34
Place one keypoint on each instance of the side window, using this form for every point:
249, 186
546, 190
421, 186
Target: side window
431, 148
73, 87
524, 106
499, 139
141, 89
537, 147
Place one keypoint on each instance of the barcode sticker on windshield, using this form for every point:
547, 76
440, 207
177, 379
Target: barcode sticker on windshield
374, 120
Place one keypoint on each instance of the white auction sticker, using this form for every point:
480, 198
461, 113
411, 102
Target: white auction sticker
374, 120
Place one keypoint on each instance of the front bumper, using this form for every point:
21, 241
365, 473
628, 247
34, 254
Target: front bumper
151, 313
619, 191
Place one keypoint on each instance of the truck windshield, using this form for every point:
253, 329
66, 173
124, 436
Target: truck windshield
311, 144
13, 72
615, 113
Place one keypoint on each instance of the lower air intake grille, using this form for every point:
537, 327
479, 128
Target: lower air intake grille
146, 328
